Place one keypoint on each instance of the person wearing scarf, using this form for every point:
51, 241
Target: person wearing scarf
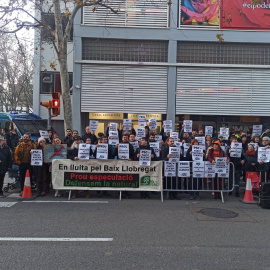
250, 159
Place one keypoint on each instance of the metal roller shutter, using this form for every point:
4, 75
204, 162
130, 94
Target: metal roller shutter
223, 91
128, 89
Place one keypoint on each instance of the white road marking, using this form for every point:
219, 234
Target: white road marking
7, 204
32, 239
65, 201
14, 195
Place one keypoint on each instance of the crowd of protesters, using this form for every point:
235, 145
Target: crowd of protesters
215, 146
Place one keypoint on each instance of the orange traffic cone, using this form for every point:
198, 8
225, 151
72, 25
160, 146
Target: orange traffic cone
27, 193
248, 198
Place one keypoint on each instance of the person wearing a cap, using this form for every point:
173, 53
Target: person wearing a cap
214, 153
5, 163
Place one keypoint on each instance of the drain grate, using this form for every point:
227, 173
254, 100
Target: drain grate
218, 213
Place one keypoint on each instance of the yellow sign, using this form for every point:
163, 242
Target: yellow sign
134, 116
106, 116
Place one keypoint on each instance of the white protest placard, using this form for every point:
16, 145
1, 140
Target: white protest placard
174, 135
175, 154
135, 145
221, 164
153, 123
167, 125
198, 169
186, 147
257, 130
158, 138
197, 152
142, 120
188, 126
227, 173
102, 151
224, 132
263, 154
84, 151
208, 130
93, 148
236, 148
209, 169
123, 151
183, 169
93, 124
155, 146
44, 134
140, 133
169, 169
36, 157
201, 141
113, 127
113, 138
179, 145
127, 124
145, 157
255, 145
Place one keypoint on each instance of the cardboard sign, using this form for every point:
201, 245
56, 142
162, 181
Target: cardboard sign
36, 157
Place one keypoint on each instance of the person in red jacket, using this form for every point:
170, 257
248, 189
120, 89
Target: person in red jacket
214, 153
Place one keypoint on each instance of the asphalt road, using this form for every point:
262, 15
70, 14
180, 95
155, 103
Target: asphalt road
146, 234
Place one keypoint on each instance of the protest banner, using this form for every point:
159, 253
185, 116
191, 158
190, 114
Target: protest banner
135, 145
263, 154
93, 124
221, 165
55, 151
113, 137
227, 173
113, 127
197, 169
145, 157
127, 124
36, 157
236, 149
167, 126
183, 169
257, 130
102, 151
153, 123
175, 154
142, 120
174, 135
44, 134
84, 151
224, 132
169, 169
155, 146
140, 133
209, 169
201, 141
209, 130
188, 126
106, 175
197, 152
123, 151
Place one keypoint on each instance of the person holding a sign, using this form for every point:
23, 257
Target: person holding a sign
236, 158
104, 140
90, 135
214, 153
250, 160
144, 146
263, 167
5, 163
130, 149
42, 172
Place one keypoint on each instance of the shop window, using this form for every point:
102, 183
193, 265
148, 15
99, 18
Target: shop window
51, 83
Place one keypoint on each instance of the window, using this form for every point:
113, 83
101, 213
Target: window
225, 53
125, 50
48, 19
50, 82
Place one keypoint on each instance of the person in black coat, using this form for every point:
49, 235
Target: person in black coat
7, 137
125, 140
90, 135
5, 163
103, 139
250, 159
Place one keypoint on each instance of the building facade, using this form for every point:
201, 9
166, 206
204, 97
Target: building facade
172, 60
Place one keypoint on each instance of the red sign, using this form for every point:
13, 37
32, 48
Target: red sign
242, 14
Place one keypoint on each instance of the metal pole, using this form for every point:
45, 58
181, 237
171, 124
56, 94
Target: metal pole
49, 119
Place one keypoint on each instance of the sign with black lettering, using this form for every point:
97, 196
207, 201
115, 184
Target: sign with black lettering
102, 151
188, 126
198, 169
145, 157
175, 154
84, 151
93, 124
36, 157
123, 151
221, 165
209, 169
183, 169
169, 169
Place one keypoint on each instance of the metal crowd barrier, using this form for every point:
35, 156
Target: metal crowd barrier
187, 184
